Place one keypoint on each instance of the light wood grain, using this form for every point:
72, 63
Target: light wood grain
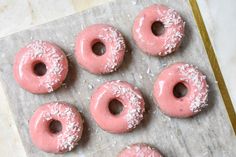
207, 134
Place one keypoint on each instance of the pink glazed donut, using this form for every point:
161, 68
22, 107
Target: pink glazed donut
59, 141
139, 150
44, 53
114, 44
131, 99
183, 106
162, 44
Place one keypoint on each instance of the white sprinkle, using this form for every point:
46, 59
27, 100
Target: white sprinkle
134, 2
100, 138
72, 45
90, 86
69, 55
3, 55
114, 144
148, 71
112, 19
164, 65
82, 27
140, 76
64, 85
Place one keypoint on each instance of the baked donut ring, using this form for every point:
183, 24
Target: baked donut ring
167, 41
52, 140
45, 54
184, 106
131, 99
114, 53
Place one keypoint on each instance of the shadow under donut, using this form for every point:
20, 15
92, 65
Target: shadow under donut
72, 75
85, 135
127, 58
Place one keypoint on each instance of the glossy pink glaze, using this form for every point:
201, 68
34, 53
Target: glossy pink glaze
192, 102
165, 43
63, 141
139, 150
128, 95
45, 52
113, 56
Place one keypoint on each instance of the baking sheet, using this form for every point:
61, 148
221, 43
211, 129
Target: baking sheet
207, 134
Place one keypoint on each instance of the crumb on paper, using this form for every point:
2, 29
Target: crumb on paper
149, 72
141, 76
69, 55
134, 2
90, 86
64, 85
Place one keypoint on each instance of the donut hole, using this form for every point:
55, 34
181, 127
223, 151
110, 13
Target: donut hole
158, 28
180, 90
40, 69
98, 48
55, 126
115, 107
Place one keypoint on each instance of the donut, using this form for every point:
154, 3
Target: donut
186, 105
114, 44
56, 141
45, 54
131, 99
139, 150
165, 42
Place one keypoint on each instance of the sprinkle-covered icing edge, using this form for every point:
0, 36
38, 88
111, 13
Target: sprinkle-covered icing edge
135, 112
112, 35
141, 150
191, 73
67, 140
171, 18
37, 50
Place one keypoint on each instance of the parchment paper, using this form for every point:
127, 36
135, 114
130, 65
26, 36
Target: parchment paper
208, 134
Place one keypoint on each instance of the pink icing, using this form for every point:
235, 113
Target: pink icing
192, 102
139, 150
49, 54
129, 96
165, 43
63, 141
113, 41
